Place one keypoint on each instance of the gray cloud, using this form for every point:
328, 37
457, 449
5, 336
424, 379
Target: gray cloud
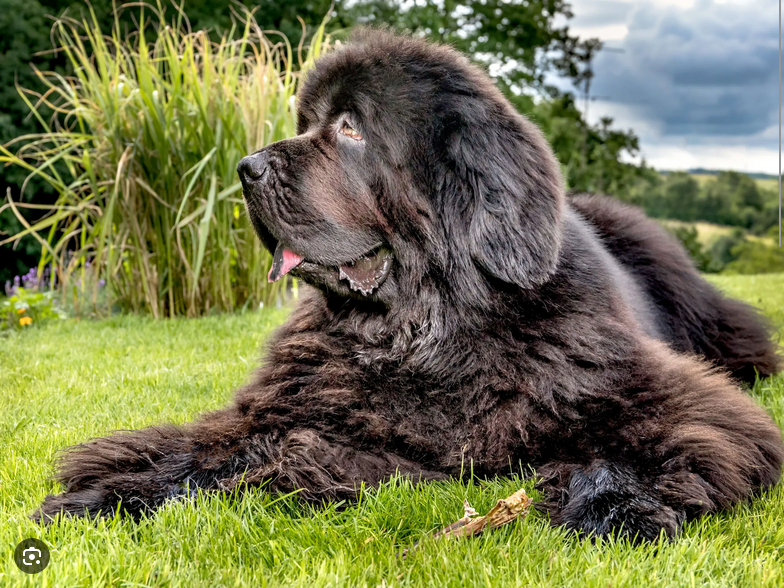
700, 72
601, 12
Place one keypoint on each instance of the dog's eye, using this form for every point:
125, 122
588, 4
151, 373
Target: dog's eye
347, 130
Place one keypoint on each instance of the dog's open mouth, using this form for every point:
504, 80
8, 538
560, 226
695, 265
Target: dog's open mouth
363, 275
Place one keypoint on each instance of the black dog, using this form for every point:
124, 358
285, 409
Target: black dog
463, 309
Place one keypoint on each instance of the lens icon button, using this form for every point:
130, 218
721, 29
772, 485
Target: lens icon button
31, 556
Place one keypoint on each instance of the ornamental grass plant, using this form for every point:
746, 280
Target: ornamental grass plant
142, 142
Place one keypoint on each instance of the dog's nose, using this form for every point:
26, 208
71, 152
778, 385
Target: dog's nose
253, 166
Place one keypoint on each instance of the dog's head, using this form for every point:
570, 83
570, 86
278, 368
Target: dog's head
408, 165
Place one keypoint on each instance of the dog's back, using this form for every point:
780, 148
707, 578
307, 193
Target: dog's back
691, 314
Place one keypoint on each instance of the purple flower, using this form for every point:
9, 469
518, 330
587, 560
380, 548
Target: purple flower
101, 282
29, 279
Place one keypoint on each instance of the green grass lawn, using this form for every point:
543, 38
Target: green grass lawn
71, 381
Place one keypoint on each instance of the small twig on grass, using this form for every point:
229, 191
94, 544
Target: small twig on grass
505, 511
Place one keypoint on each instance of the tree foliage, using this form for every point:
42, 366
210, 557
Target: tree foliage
593, 158
731, 198
518, 40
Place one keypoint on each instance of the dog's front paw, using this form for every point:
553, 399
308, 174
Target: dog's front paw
605, 499
130, 495
92, 502
133, 472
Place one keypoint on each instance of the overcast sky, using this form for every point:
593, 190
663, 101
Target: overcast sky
697, 81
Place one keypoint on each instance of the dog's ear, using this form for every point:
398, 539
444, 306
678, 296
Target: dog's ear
510, 186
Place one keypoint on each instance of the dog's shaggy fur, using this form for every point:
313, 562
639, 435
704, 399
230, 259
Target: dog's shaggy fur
464, 311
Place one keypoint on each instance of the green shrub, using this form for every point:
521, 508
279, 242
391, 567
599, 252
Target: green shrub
724, 251
26, 308
142, 151
735, 253
729, 199
688, 237
756, 257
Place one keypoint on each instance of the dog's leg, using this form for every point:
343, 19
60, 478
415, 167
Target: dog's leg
605, 498
141, 470
698, 446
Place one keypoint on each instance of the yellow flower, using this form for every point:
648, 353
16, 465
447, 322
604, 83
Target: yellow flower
21, 310
25, 320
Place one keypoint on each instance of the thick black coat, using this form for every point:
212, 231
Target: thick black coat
511, 325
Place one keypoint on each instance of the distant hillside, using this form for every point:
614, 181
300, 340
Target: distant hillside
701, 171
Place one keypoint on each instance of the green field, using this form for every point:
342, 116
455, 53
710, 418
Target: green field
63, 384
764, 183
769, 184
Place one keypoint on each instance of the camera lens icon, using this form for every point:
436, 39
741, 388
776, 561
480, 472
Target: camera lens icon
31, 556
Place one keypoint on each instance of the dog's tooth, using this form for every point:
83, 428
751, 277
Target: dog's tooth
365, 274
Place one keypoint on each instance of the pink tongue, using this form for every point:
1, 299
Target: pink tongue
283, 261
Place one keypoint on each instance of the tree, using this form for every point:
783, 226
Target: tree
732, 199
592, 157
682, 197
518, 40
